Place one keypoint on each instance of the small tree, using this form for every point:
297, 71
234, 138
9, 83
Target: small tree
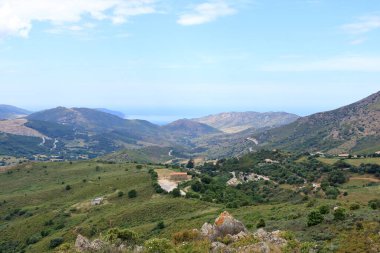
120, 194
132, 194
176, 192
68, 188
314, 218
56, 242
190, 164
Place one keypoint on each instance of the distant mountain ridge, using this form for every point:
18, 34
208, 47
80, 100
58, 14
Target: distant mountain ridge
351, 128
113, 112
233, 122
12, 112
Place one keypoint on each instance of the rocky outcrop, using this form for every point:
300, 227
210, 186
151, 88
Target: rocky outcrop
224, 225
82, 244
229, 235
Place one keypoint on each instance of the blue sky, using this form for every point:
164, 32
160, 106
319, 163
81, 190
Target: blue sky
167, 59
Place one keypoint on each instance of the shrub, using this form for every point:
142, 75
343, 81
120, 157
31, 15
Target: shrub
176, 192
260, 224
139, 167
192, 195
325, 209
33, 239
55, 242
186, 236
157, 245
125, 235
160, 225
354, 206
339, 214
120, 194
132, 194
68, 187
314, 218
374, 204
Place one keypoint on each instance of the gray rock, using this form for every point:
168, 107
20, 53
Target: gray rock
82, 243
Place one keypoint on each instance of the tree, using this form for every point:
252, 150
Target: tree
120, 194
176, 192
56, 242
190, 164
314, 218
132, 194
197, 186
68, 188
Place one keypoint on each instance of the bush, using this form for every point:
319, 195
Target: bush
339, 214
260, 224
124, 235
374, 204
33, 239
55, 242
68, 187
139, 167
186, 236
192, 195
176, 192
132, 194
314, 218
120, 194
157, 245
159, 226
325, 209
354, 206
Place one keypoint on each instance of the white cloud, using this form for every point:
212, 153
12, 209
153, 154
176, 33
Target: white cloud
363, 25
342, 63
206, 12
17, 16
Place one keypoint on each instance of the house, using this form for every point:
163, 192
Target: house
270, 161
96, 201
344, 155
178, 176
377, 153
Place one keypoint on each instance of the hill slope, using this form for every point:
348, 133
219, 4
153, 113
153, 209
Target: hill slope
233, 122
186, 127
12, 112
351, 128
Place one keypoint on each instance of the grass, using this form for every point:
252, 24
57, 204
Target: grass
36, 200
39, 190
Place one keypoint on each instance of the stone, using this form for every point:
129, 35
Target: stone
82, 244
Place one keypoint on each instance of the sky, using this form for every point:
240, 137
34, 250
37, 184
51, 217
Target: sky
166, 59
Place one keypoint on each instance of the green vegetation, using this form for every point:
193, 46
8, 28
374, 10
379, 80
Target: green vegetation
34, 200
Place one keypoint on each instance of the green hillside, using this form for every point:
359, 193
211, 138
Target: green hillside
45, 202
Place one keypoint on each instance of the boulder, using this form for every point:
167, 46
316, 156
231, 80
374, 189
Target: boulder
82, 244
226, 224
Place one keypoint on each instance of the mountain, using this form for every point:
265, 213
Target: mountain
116, 113
189, 128
233, 122
352, 128
12, 112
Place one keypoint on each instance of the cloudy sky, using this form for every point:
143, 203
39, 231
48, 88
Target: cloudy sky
163, 59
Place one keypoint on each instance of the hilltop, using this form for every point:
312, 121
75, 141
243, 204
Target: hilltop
352, 128
12, 112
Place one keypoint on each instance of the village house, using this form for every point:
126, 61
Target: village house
178, 176
377, 153
270, 161
344, 155
96, 201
